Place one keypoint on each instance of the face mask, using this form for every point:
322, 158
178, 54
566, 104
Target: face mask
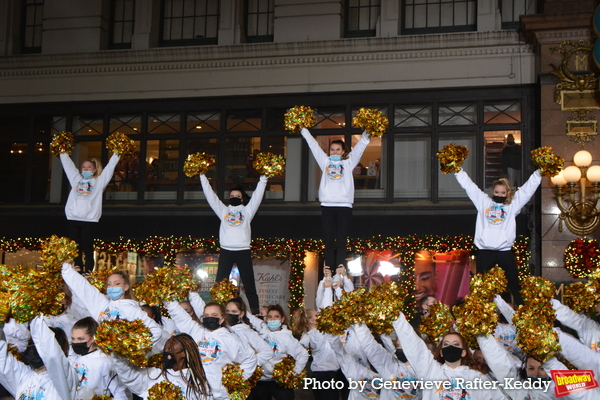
400, 355
87, 174
114, 292
336, 157
168, 360
32, 358
274, 325
233, 319
211, 323
235, 201
261, 317
499, 199
80, 348
452, 353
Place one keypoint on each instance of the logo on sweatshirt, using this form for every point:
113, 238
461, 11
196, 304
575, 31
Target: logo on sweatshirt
334, 171
273, 345
84, 188
109, 315
30, 394
234, 218
495, 214
82, 375
402, 393
344, 337
210, 350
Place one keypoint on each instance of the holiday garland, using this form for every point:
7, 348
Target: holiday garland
581, 257
295, 250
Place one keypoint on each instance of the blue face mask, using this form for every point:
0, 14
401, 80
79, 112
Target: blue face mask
114, 292
87, 174
336, 157
274, 325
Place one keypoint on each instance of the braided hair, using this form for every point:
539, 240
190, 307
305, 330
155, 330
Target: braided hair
197, 381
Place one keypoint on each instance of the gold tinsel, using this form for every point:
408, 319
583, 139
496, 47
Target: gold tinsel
253, 380
381, 306
154, 361
536, 290
299, 117
336, 318
223, 291
62, 142
165, 391
535, 335
285, 376
4, 306
372, 121
102, 397
127, 339
438, 323
98, 278
487, 286
549, 163
581, 297
269, 164
120, 143
167, 284
475, 318
55, 251
197, 164
12, 349
33, 293
451, 157
233, 379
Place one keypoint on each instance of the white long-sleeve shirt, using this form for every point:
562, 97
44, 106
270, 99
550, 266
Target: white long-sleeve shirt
17, 334
323, 356
217, 349
578, 353
85, 198
58, 382
96, 376
496, 227
327, 295
235, 232
337, 183
587, 329
252, 338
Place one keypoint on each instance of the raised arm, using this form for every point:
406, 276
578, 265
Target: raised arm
502, 363
257, 196
359, 149
528, 189
415, 349
378, 356
92, 299
108, 171
318, 153
137, 380
69, 167
577, 353
587, 330
11, 371
504, 308
213, 200
475, 194
197, 303
183, 321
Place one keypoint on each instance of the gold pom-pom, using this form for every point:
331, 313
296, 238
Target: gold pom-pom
127, 339
223, 291
56, 250
102, 397
14, 350
98, 278
451, 157
438, 323
36, 292
476, 318
536, 290
338, 317
233, 379
299, 117
165, 390
269, 164
285, 376
253, 380
120, 143
549, 163
381, 306
535, 335
372, 121
581, 297
62, 142
167, 284
485, 287
197, 164
4, 306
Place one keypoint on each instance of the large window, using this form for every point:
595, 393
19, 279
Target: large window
31, 26
361, 18
122, 18
431, 16
189, 22
512, 9
260, 15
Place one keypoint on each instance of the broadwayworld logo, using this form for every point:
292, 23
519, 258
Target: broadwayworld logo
567, 382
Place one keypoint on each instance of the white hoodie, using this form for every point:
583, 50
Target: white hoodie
59, 380
323, 356
85, 199
96, 376
587, 329
496, 227
234, 233
337, 183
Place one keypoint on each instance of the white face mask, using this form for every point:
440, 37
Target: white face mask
87, 174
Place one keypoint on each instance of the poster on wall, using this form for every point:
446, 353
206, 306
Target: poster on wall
272, 281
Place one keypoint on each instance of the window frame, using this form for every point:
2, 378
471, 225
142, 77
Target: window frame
113, 21
36, 5
437, 29
358, 33
162, 42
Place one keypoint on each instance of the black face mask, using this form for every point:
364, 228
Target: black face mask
168, 360
211, 323
32, 358
499, 199
452, 353
80, 348
235, 201
400, 355
261, 317
233, 319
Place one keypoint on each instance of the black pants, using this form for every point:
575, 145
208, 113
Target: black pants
243, 260
81, 233
336, 225
267, 390
330, 394
487, 259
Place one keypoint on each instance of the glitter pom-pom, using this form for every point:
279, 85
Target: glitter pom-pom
165, 390
36, 292
338, 317
4, 306
127, 339
285, 376
476, 318
549, 163
535, 335
381, 306
269, 164
197, 164
451, 157
167, 284
14, 350
536, 290
372, 121
581, 297
62, 142
299, 117
233, 379
102, 397
120, 143
98, 278
56, 250
223, 291
438, 323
